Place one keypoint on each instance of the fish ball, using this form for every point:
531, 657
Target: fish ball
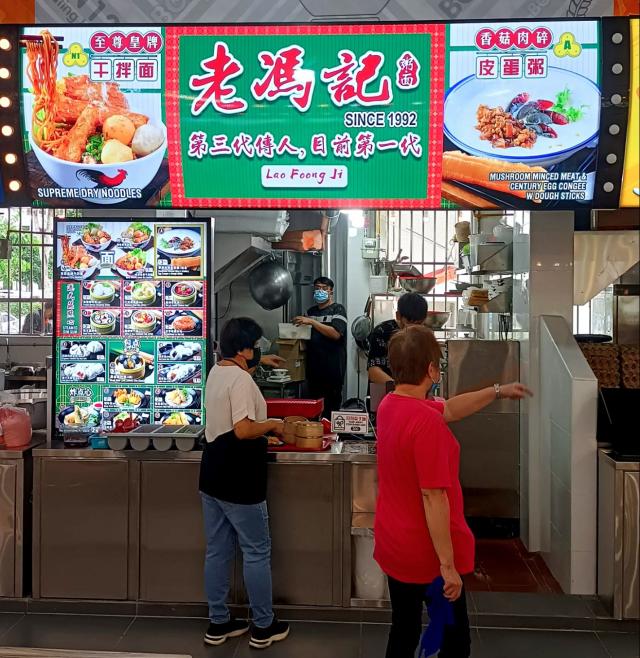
147, 139
119, 127
114, 151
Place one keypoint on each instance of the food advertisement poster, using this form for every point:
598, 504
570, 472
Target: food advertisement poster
630, 195
93, 116
521, 114
131, 324
419, 115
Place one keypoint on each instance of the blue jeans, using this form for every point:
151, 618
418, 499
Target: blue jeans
249, 524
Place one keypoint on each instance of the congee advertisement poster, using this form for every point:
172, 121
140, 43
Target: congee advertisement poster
479, 115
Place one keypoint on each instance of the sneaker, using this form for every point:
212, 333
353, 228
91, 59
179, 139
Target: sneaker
219, 633
261, 638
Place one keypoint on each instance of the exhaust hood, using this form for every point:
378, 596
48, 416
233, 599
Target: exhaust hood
235, 255
600, 259
269, 224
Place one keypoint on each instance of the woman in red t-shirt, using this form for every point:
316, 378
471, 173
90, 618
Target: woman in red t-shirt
420, 530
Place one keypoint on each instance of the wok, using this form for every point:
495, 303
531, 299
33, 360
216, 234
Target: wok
270, 285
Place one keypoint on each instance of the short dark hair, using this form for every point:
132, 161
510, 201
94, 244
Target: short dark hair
413, 307
48, 305
324, 281
411, 350
239, 334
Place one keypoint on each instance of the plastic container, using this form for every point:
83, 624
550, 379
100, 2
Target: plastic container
369, 581
378, 284
283, 407
16, 427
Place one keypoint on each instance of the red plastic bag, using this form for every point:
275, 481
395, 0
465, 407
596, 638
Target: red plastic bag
16, 427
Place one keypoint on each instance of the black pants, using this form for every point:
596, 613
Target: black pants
406, 623
330, 391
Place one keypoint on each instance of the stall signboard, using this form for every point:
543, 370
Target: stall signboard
131, 324
521, 114
315, 116
630, 195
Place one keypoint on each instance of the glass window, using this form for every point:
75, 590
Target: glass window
596, 316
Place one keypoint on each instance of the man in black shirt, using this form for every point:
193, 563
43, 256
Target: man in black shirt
327, 349
412, 309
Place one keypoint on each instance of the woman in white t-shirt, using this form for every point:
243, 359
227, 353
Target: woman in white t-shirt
233, 486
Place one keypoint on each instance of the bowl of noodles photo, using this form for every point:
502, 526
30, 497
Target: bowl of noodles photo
84, 133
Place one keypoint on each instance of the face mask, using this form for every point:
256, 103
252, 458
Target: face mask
255, 359
320, 296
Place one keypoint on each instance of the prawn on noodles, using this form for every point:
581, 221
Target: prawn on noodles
75, 118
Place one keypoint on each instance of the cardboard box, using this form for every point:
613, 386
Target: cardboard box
294, 353
289, 331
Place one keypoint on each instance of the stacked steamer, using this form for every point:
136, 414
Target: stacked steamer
615, 366
604, 360
630, 366
309, 435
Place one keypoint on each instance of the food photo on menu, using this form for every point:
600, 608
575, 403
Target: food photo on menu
131, 361
142, 322
142, 294
183, 323
178, 417
101, 294
82, 372
111, 420
126, 398
178, 397
180, 373
89, 350
179, 251
101, 322
180, 351
184, 293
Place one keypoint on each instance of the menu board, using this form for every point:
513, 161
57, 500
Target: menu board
131, 325
479, 115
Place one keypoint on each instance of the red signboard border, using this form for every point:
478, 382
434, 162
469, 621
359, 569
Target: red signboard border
434, 152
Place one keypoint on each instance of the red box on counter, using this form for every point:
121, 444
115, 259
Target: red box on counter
283, 407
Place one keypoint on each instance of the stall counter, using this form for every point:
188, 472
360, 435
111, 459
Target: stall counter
126, 527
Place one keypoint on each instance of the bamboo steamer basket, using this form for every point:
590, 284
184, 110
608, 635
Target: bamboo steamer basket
309, 430
289, 433
309, 443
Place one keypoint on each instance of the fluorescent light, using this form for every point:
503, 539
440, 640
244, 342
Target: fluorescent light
356, 218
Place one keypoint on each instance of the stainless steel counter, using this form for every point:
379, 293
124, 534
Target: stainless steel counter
15, 517
137, 515
619, 535
339, 453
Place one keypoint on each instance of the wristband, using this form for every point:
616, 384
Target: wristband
496, 388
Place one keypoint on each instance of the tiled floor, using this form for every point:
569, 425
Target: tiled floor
504, 565
307, 640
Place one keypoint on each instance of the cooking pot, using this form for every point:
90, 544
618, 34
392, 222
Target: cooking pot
270, 285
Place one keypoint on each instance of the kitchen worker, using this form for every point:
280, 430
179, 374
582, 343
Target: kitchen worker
327, 349
412, 310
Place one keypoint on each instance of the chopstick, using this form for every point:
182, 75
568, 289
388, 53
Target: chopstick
36, 38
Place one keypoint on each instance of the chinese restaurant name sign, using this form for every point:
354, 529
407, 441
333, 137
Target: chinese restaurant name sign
319, 116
